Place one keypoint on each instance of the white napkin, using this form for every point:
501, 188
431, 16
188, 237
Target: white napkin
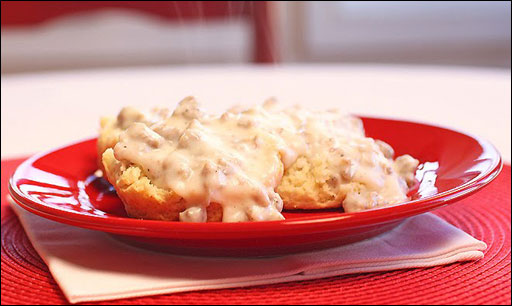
92, 266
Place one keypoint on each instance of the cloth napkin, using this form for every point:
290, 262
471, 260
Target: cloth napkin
90, 265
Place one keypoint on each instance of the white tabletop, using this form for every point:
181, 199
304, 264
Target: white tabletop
41, 111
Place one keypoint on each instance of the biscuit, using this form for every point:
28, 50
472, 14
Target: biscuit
144, 200
307, 185
321, 176
107, 138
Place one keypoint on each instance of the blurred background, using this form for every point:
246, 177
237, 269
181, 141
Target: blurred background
66, 64
53, 35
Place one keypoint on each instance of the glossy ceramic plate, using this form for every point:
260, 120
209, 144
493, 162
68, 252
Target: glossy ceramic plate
60, 185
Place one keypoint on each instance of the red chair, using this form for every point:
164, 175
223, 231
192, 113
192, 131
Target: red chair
31, 13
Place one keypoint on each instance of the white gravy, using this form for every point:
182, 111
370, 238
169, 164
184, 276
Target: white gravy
237, 159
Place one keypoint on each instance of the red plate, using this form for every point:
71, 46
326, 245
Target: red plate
60, 185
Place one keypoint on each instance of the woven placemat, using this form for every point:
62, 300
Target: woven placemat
486, 216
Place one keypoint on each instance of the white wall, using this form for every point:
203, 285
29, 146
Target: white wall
420, 32
117, 38
430, 32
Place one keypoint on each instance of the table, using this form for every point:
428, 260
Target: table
43, 111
